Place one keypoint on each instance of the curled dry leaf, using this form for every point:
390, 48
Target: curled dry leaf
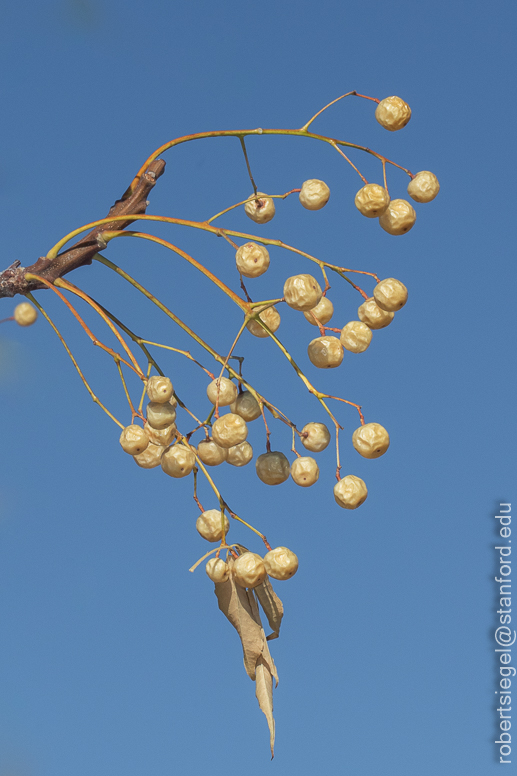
272, 606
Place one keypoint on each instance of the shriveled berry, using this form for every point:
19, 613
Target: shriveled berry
160, 415
392, 113
210, 453
281, 563
223, 389
272, 468
371, 440
252, 260
159, 389
390, 295
151, 457
260, 210
161, 436
356, 336
217, 570
314, 194
178, 461
25, 314
229, 430
424, 187
305, 471
399, 218
302, 292
246, 406
134, 440
372, 200
249, 570
271, 318
325, 352
350, 492
318, 437
373, 315
240, 455
323, 311
210, 525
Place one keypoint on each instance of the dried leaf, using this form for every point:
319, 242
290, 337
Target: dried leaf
264, 693
272, 606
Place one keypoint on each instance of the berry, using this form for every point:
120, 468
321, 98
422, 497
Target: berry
356, 336
25, 314
424, 187
399, 217
305, 471
260, 210
302, 292
246, 406
323, 311
151, 456
390, 295
350, 492
392, 113
134, 440
159, 389
210, 453
372, 200
314, 194
222, 389
281, 563
160, 415
178, 461
217, 570
249, 570
325, 352
252, 260
210, 525
374, 316
272, 468
371, 440
229, 430
160, 436
271, 318
318, 437
240, 455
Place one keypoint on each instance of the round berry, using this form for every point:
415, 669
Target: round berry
272, 468
390, 295
325, 352
246, 406
356, 336
249, 570
281, 563
271, 318
314, 194
350, 492
134, 440
424, 187
229, 430
399, 218
160, 415
151, 457
315, 437
305, 471
210, 525
210, 453
323, 311
371, 440
240, 455
252, 260
25, 314
260, 209
372, 200
217, 570
178, 461
222, 389
159, 389
392, 113
161, 436
373, 315
302, 292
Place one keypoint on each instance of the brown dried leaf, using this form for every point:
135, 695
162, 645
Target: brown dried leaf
264, 693
272, 606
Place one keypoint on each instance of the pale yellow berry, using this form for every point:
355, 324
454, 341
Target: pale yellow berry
160, 415
260, 210
323, 311
372, 200
246, 406
399, 218
229, 430
390, 295
217, 570
25, 314
314, 194
281, 563
374, 317
315, 437
221, 390
371, 440
424, 187
178, 461
161, 436
356, 336
350, 492
272, 468
302, 292
305, 471
134, 440
252, 260
151, 456
240, 455
325, 352
249, 570
210, 525
392, 113
159, 389
271, 318
210, 453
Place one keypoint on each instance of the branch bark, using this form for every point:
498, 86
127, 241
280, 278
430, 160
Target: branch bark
12, 279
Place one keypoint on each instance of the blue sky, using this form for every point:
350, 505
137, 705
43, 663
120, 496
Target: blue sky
115, 660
